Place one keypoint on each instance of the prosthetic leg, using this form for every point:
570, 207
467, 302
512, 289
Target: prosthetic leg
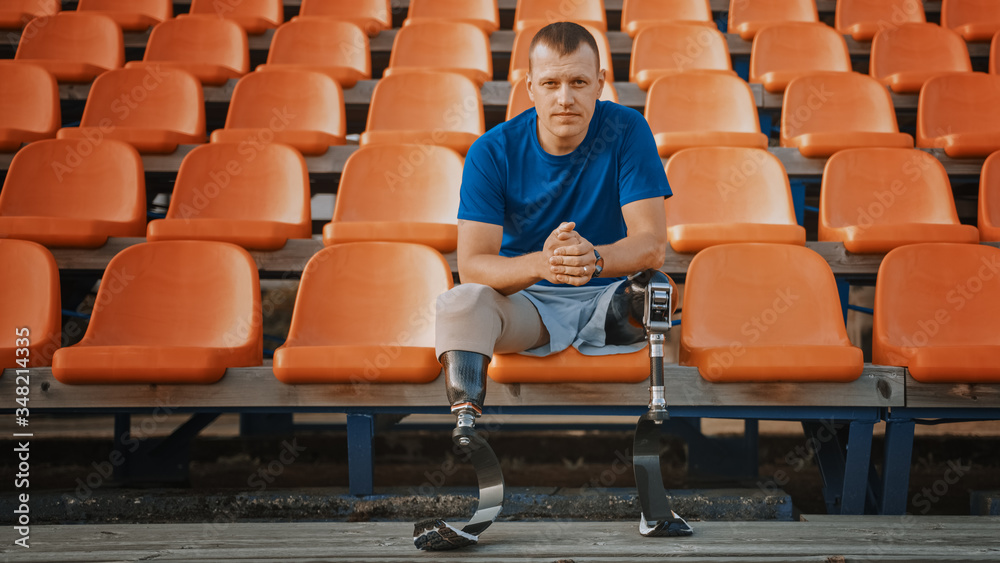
465, 380
657, 518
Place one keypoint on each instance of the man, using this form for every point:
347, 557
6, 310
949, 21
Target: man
558, 205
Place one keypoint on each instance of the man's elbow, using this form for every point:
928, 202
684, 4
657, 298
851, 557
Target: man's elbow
656, 253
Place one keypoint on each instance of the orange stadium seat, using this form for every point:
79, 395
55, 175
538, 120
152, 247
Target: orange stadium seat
484, 14
153, 109
864, 19
905, 57
747, 17
425, 108
338, 49
876, 199
73, 46
785, 51
724, 195
959, 113
398, 193
640, 14
702, 109
159, 318
995, 54
989, 200
15, 14
975, 20
302, 108
442, 46
29, 105
936, 312
255, 16
668, 48
765, 312
518, 101
335, 338
372, 16
590, 12
223, 194
56, 196
826, 112
131, 15
30, 307
572, 366
522, 41
212, 49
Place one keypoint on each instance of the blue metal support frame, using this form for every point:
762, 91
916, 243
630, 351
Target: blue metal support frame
844, 290
899, 447
360, 457
799, 200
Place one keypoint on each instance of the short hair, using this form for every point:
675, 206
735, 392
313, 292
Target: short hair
565, 38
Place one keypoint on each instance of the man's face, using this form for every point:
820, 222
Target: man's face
565, 90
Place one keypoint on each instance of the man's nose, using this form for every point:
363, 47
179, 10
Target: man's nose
565, 95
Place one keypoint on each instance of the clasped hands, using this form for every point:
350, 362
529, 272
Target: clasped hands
569, 256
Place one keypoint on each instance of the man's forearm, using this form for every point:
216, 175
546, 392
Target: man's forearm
507, 275
632, 254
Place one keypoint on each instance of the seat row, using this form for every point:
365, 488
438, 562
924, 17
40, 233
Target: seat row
185, 311
872, 199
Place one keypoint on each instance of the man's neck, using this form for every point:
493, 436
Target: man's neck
558, 146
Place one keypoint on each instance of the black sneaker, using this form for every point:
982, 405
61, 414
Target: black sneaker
438, 535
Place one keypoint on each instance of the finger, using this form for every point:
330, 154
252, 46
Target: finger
571, 260
572, 280
566, 227
578, 271
577, 249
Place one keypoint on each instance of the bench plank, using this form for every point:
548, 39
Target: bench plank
257, 387
951, 395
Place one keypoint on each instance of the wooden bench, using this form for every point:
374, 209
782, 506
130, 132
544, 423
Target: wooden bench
821, 406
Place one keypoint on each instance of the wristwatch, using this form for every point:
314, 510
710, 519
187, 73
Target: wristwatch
598, 265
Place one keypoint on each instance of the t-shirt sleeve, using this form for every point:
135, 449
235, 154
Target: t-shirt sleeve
641, 174
482, 196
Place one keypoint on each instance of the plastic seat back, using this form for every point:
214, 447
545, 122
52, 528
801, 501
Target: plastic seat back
590, 12
224, 195
995, 54
518, 101
959, 113
442, 46
785, 51
826, 112
131, 15
337, 49
30, 306
73, 46
765, 312
364, 313
15, 14
372, 16
169, 312
746, 18
702, 108
429, 108
212, 49
255, 16
874, 200
936, 312
724, 195
667, 48
301, 108
975, 20
905, 57
55, 196
989, 199
153, 109
864, 19
29, 105
484, 14
640, 14
522, 42
400, 193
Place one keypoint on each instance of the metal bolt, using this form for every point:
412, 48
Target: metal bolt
464, 441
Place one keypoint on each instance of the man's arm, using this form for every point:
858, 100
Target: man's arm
644, 247
479, 260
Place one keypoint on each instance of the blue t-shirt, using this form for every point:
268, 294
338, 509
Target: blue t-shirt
509, 180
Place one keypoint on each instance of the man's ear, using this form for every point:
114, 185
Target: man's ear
527, 84
600, 83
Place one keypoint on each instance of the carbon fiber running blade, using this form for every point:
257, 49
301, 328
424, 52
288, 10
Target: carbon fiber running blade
646, 465
438, 535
